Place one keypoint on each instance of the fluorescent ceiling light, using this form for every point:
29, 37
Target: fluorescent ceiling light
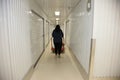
57, 13
57, 19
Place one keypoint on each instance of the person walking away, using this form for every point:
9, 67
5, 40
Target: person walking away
57, 36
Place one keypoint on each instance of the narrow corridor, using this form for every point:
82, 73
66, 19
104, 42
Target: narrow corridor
91, 32
52, 67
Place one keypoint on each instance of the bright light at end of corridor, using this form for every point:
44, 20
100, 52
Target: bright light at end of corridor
57, 22
57, 19
57, 13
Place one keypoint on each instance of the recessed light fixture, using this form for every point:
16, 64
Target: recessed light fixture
57, 19
57, 13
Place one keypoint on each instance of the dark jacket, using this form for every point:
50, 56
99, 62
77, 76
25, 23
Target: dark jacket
57, 35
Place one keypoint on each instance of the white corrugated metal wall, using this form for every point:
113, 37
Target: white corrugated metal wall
107, 35
5, 62
15, 39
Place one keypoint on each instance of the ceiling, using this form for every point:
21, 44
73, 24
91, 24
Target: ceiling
64, 6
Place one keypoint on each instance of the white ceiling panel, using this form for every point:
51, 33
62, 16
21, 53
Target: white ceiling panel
64, 6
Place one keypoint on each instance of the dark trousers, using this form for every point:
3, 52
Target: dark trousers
58, 47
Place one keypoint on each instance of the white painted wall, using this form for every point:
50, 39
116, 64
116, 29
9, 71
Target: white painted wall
51, 30
107, 35
36, 36
67, 33
79, 33
37, 8
46, 30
